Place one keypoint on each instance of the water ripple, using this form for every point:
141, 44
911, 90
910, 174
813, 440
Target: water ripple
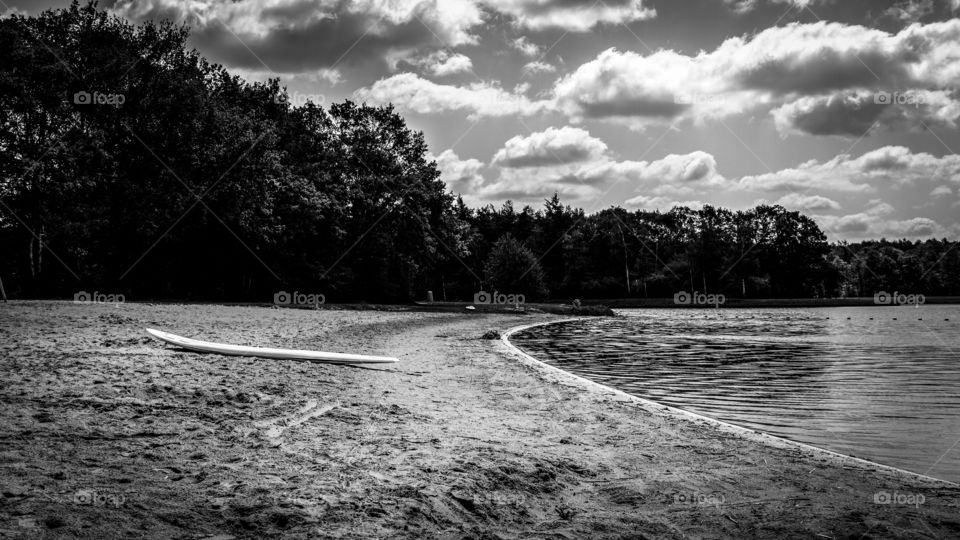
879, 383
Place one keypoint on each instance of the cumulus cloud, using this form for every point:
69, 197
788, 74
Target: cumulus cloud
538, 184
877, 221
741, 7
292, 36
668, 179
530, 49
587, 174
884, 167
854, 113
659, 203
462, 176
777, 67
911, 10
572, 15
677, 171
570, 161
442, 63
941, 191
550, 147
413, 93
627, 86
532, 68
807, 203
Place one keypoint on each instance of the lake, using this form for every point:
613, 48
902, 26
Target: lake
880, 383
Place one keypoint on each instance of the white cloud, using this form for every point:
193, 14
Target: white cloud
854, 113
410, 92
669, 179
570, 15
796, 201
533, 68
875, 223
776, 67
884, 167
530, 49
442, 63
292, 36
941, 191
675, 170
549, 148
659, 203
462, 176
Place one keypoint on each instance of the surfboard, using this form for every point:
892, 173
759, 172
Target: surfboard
266, 352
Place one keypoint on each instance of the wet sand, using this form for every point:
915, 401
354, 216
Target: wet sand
108, 434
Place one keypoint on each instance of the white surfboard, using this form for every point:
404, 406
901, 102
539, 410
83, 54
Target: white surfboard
266, 352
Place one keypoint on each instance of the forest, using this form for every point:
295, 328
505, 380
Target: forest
132, 165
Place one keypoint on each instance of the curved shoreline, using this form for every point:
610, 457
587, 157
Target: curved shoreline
656, 407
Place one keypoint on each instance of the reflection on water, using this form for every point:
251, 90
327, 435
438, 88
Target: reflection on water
880, 383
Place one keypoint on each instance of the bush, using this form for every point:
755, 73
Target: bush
511, 268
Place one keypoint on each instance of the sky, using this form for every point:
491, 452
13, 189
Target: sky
846, 110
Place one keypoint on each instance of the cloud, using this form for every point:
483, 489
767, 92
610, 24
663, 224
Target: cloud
532, 185
532, 68
626, 86
291, 36
876, 222
675, 175
807, 203
884, 167
676, 170
587, 174
462, 176
410, 92
777, 67
910, 10
572, 15
549, 148
660, 203
854, 113
530, 49
442, 63
912, 228
941, 191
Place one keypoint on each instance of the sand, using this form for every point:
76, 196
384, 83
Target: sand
108, 434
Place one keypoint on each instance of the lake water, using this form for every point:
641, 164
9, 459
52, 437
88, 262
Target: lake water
874, 382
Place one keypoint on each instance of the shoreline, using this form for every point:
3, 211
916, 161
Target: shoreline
559, 307
654, 406
460, 439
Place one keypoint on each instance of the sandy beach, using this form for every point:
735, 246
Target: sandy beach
108, 434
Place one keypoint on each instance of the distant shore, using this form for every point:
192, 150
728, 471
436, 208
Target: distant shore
460, 439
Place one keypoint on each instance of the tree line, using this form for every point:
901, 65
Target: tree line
130, 164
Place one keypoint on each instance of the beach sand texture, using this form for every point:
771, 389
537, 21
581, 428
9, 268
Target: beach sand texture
108, 434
